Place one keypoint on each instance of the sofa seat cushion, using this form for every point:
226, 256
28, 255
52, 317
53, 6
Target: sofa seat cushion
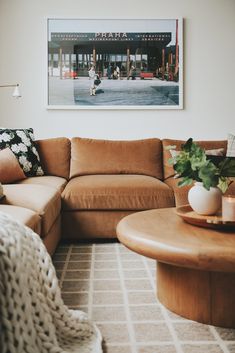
53, 181
43, 200
116, 192
25, 216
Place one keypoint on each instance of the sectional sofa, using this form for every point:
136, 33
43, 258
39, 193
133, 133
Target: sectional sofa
89, 185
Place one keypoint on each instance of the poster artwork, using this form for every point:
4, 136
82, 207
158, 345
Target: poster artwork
115, 64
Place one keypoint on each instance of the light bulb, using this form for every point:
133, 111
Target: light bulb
16, 92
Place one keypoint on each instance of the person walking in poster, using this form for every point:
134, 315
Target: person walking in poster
132, 73
118, 71
92, 77
109, 72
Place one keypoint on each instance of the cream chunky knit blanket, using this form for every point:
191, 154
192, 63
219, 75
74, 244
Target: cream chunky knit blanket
33, 317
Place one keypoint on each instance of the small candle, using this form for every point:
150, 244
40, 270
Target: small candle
228, 208
1, 191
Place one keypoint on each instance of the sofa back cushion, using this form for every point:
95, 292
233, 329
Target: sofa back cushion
55, 156
90, 156
207, 145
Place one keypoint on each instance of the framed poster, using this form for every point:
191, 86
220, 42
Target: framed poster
115, 64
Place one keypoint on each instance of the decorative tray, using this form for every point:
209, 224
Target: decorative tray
216, 221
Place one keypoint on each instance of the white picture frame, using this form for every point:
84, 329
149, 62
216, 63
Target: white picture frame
148, 53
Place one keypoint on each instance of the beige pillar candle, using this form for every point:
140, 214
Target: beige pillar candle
1, 191
228, 208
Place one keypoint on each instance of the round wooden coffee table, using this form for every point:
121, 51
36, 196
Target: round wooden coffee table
195, 266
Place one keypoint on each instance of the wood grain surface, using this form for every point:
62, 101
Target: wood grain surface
214, 222
203, 296
164, 236
195, 266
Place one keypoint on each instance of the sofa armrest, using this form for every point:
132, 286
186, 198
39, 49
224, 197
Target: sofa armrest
180, 193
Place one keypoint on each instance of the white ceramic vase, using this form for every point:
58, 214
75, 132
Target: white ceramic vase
205, 202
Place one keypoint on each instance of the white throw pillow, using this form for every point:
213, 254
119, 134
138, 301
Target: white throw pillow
212, 152
231, 146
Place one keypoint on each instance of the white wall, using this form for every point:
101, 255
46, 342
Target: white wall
209, 70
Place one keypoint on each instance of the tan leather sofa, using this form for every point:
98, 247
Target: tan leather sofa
89, 185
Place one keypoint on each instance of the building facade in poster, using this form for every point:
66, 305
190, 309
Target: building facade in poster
74, 53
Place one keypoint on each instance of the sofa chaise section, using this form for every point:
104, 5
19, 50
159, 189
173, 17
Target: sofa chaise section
23, 215
43, 200
40, 197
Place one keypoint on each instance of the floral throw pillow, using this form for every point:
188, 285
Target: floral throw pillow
21, 142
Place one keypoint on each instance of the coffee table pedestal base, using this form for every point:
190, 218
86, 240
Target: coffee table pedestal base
204, 296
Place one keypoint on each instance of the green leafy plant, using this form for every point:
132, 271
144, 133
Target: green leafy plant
192, 164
